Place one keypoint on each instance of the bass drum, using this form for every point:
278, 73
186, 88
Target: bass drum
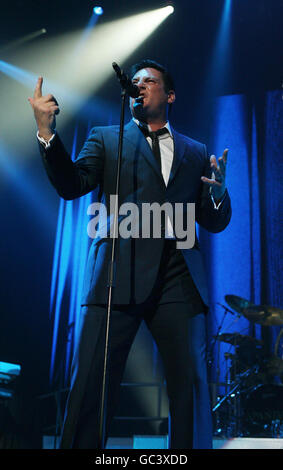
263, 411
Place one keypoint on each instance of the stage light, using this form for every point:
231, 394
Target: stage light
81, 66
98, 10
170, 9
19, 42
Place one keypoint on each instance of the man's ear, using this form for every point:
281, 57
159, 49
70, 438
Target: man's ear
171, 97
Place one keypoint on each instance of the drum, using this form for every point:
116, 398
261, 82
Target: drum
263, 411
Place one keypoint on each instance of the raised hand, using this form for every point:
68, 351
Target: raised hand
217, 180
45, 109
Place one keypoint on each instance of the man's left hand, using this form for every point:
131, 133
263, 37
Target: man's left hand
217, 181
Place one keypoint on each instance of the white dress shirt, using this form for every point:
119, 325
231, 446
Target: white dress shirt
166, 145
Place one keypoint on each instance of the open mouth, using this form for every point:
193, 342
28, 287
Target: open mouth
139, 100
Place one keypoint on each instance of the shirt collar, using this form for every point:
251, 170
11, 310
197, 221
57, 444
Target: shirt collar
167, 125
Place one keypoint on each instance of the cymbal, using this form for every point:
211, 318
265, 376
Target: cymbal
236, 338
262, 314
237, 303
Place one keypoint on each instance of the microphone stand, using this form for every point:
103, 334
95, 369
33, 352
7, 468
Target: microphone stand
111, 283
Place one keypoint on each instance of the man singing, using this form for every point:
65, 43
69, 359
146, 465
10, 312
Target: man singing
156, 281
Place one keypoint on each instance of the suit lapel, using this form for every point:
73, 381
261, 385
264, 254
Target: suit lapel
179, 151
134, 135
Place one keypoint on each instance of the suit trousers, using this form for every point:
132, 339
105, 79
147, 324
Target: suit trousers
174, 315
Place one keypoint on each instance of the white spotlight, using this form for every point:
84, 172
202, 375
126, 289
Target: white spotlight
170, 9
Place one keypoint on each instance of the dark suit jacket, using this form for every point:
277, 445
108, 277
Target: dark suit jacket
138, 259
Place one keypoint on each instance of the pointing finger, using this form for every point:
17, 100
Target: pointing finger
213, 162
225, 153
222, 166
38, 88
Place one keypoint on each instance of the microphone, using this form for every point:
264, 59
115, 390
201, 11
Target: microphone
228, 310
131, 89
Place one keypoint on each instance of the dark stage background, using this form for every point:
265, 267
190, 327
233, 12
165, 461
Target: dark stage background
227, 65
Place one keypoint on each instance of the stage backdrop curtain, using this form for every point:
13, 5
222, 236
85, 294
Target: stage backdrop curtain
246, 259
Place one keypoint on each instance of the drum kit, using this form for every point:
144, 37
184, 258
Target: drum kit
252, 404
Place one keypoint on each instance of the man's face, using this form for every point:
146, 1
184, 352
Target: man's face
153, 100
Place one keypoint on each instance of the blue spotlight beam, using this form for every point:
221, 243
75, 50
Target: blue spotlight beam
28, 188
218, 68
86, 32
223, 43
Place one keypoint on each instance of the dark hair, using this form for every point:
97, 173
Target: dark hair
148, 63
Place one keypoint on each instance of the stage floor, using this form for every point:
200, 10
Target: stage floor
160, 442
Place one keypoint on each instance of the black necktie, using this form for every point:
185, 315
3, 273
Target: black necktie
155, 141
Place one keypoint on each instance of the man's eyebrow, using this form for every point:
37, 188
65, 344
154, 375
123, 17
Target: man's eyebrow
146, 78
